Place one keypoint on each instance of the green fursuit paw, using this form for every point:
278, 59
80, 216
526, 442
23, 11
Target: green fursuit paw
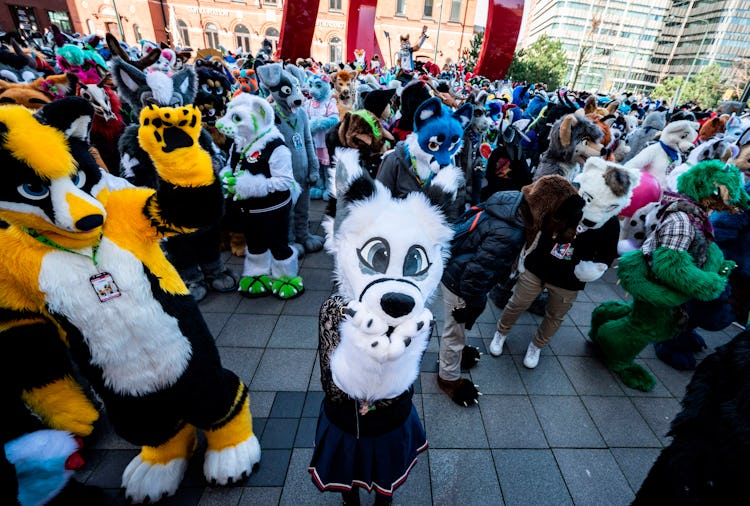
255, 286
286, 288
637, 377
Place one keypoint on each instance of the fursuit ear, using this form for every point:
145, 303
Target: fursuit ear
149, 59
344, 128
128, 80
613, 106
464, 115
590, 104
351, 183
609, 120
364, 138
430, 108
353, 74
568, 122
185, 83
116, 48
270, 74
71, 115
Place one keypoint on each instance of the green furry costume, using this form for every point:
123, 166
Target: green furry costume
663, 278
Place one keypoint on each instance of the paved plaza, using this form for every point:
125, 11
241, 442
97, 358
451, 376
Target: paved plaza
567, 432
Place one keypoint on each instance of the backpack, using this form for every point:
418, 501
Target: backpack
465, 224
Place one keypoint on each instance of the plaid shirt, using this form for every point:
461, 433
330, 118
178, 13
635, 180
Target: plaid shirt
675, 232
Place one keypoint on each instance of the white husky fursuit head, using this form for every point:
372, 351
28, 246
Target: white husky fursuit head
389, 256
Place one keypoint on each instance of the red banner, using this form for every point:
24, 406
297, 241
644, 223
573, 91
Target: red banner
297, 28
360, 30
500, 37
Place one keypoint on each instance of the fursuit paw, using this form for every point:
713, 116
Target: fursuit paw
461, 391
232, 464
363, 320
62, 405
637, 377
147, 482
167, 129
286, 288
237, 244
470, 357
408, 331
313, 243
253, 287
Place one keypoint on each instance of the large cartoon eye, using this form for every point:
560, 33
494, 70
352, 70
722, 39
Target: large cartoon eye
454, 142
205, 87
416, 262
375, 255
434, 146
587, 197
79, 179
236, 118
33, 191
286, 90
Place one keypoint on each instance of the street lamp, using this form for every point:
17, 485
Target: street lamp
437, 37
679, 91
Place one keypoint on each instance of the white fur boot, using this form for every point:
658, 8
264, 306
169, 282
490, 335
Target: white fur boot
255, 280
286, 282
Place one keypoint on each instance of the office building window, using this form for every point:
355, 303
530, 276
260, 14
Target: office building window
212, 36
242, 36
455, 11
427, 9
184, 32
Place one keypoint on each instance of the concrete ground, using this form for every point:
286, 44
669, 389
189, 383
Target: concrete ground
567, 432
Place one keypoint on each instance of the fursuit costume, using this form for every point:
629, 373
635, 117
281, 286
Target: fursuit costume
374, 331
260, 180
82, 271
678, 262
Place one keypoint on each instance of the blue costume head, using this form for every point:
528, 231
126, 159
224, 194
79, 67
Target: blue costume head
439, 130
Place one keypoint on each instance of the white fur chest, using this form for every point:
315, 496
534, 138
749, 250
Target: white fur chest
362, 377
138, 346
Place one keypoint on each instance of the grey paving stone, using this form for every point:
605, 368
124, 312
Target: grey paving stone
487, 316
510, 422
647, 352
108, 474
105, 438
571, 341
279, 433
593, 477
307, 304
519, 338
295, 332
674, 380
272, 469
311, 407
221, 496
580, 313
247, 331
589, 376
429, 362
91, 460
497, 375
635, 463
465, 477
416, 489
299, 489
619, 422
530, 477
547, 379
219, 302
487, 330
315, 385
658, 413
241, 361
216, 322
428, 380
320, 260
288, 405
262, 306
451, 426
566, 422
259, 425
601, 292
260, 496
305, 437
261, 402
319, 279
283, 369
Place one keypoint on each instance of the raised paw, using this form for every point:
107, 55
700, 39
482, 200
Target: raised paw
167, 129
146, 482
461, 391
470, 356
232, 464
363, 320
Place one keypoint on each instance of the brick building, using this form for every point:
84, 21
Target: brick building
245, 23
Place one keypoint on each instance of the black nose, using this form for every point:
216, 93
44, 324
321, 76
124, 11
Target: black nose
396, 304
90, 222
298, 102
604, 152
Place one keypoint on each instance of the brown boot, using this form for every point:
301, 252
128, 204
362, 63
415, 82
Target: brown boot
461, 391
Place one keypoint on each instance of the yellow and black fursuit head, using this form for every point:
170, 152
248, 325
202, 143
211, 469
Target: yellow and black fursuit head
81, 268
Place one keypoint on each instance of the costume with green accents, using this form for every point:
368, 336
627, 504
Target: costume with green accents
678, 262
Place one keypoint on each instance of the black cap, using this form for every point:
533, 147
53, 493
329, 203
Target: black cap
377, 100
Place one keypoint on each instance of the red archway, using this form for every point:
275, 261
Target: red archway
500, 36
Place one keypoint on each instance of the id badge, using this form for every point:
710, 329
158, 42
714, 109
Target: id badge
297, 141
105, 287
562, 251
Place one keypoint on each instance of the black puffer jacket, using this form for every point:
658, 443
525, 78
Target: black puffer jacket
487, 253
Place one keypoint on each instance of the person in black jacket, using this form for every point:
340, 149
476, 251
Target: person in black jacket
485, 256
564, 266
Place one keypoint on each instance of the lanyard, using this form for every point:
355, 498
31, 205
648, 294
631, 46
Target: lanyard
285, 118
243, 153
49, 242
413, 160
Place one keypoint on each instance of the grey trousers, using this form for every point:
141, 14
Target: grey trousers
452, 339
299, 229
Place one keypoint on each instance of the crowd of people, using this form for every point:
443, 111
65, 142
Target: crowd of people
516, 193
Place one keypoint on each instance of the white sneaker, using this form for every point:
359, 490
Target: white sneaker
532, 356
496, 346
